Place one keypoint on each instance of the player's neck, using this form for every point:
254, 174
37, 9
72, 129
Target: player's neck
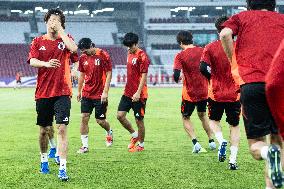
52, 35
94, 51
188, 47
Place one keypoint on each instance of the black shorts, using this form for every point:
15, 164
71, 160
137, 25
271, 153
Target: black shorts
232, 110
87, 106
188, 107
138, 107
55, 106
256, 114
18, 81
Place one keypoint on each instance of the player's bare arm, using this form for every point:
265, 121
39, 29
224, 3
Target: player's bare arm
137, 95
80, 85
106, 87
74, 71
70, 44
53, 63
226, 37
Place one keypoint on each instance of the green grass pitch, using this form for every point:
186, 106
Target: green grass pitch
167, 161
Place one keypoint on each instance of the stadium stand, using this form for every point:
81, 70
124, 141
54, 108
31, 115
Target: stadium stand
17, 28
14, 57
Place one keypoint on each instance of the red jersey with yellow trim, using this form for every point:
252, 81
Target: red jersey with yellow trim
259, 34
51, 82
137, 64
222, 87
95, 68
195, 85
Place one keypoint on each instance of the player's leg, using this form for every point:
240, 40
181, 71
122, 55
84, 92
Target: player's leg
259, 123
201, 112
139, 112
53, 147
101, 109
233, 111
187, 109
215, 112
123, 108
62, 108
44, 120
86, 111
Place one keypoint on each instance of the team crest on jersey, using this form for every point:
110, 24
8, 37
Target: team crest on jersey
86, 63
134, 61
97, 62
61, 46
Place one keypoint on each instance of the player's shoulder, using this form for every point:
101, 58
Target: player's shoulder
212, 44
83, 56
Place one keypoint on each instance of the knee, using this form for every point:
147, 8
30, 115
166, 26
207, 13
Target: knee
62, 130
44, 131
254, 152
101, 122
202, 116
120, 117
85, 117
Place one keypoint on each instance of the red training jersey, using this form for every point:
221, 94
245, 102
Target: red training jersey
275, 88
222, 87
137, 64
95, 68
195, 85
51, 82
259, 34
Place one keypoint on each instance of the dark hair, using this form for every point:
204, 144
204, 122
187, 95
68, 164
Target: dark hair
85, 43
261, 4
57, 12
184, 37
130, 39
219, 22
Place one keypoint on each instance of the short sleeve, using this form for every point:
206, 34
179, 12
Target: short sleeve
233, 23
145, 62
178, 62
82, 60
34, 50
206, 57
74, 57
107, 61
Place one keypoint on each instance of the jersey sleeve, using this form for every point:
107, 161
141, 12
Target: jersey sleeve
145, 62
107, 61
177, 62
233, 23
206, 55
81, 62
74, 57
34, 50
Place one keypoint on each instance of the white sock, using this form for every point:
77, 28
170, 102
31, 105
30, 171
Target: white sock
52, 143
135, 134
267, 187
233, 156
43, 157
62, 164
264, 152
219, 137
56, 154
141, 144
109, 132
85, 142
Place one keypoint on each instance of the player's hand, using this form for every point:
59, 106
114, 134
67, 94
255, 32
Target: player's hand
104, 97
136, 97
58, 27
79, 97
74, 75
53, 63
